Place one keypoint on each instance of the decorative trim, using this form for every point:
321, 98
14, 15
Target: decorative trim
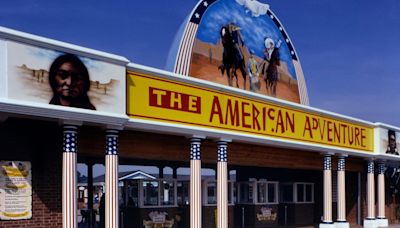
111, 142
195, 149
222, 151
70, 139
370, 167
327, 162
341, 164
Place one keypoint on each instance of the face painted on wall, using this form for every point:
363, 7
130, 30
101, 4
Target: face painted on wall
69, 81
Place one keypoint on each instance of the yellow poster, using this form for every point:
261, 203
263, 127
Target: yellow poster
158, 99
15, 190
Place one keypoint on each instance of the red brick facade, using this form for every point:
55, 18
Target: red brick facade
39, 143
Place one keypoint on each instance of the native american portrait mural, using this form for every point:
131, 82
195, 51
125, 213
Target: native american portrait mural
242, 44
52, 77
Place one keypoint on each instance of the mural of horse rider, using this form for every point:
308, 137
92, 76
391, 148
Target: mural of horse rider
254, 72
232, 56
270, 72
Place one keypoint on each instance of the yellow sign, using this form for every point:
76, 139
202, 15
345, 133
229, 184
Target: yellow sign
154, 98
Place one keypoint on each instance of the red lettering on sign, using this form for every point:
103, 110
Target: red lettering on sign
174, 100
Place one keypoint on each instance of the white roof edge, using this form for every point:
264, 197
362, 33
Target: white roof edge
248, 94
136, 172
14, 35
391, 127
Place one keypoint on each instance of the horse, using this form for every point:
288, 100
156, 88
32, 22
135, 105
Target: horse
232, 58
271, 73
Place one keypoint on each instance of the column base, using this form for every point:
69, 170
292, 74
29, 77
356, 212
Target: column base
327, 225
370, 223
343, 224
382, 222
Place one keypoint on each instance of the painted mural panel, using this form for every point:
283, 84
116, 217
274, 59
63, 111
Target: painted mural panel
242, 44
390, 141
53, 77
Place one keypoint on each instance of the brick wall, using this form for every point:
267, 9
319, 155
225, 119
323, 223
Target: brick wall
37, 142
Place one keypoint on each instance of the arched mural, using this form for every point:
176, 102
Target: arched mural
240, 43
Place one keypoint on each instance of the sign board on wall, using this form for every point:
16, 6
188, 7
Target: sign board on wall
15, 190
52, 77
164, 100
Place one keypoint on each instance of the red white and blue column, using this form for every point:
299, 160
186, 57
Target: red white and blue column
341, 193
111, 185
381, 220
222, 185
69, 177
370, 220
327, 211
195, 183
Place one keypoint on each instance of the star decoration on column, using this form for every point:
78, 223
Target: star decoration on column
370, 168
381, 168
341, 164
222, 154
195, 151
205, 3
69, 142
197, 15
111, 145
327, 163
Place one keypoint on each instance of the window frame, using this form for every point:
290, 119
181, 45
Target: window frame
159, 203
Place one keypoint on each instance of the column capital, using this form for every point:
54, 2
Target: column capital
70, 123
111, 132
327, 154
342, 155
114, 127
223, 140
200, 137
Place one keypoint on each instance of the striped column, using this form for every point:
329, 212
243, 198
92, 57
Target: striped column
381, 190
341, 190
370, 191
195, 183
111, 205
222, 185
327, 216
69, 179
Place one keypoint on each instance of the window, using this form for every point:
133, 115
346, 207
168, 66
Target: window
167, 193
245, 190
261, 192
210, 193
286, 193
272, 195
183, 192
150, 193
258, 192
304, 192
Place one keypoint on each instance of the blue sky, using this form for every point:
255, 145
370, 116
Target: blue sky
349, 50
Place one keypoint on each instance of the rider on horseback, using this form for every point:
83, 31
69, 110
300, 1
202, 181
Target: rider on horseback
232, 56
237, 42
